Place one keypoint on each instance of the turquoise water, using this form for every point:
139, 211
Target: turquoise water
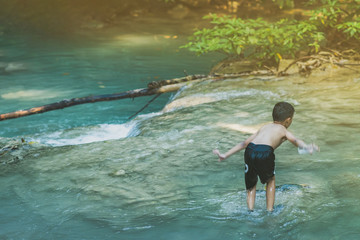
44, 70
93, 174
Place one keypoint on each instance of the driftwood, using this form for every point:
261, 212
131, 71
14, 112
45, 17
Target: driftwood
76, 101
308, 63
174, 85
157, 84
163, 86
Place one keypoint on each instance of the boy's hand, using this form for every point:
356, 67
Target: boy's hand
309, 149
312, 148
221, 156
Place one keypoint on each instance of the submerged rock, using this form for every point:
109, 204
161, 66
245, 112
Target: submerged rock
118, 173
188, 101
14, 150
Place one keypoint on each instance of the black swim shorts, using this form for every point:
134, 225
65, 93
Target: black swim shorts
259, 161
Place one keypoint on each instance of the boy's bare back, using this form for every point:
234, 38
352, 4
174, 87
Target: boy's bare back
274, 134
271, 134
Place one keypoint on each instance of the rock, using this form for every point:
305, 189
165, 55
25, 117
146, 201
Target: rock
233, 66
284, 63
188, 101
120, 172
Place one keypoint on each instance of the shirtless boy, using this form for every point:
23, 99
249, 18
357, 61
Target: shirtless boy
259, 153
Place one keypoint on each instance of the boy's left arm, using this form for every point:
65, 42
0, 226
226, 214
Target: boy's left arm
301, 144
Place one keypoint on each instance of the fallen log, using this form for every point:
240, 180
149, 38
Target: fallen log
107, 97
159, 87
76, 101
157, 84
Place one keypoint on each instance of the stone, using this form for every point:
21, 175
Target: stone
284, 63
233, 66
120, 172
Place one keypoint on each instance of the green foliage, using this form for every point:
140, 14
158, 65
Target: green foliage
339, 19
331, 22
255, 39
351, 29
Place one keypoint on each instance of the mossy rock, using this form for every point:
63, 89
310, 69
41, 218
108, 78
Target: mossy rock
234, 66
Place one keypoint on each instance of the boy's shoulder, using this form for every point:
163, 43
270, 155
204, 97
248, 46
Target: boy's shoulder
273, 128
273, 125
272, 134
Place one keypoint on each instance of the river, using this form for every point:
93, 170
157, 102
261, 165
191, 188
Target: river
87, 172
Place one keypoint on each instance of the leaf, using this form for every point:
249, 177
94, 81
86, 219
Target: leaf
352, 32
238, 50
253, 40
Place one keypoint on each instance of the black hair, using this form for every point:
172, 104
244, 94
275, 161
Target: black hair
282, 111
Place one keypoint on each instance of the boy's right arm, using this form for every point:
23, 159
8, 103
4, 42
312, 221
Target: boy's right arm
235, 149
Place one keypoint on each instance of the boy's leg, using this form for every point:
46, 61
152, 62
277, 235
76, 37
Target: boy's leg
270, 194
251, 193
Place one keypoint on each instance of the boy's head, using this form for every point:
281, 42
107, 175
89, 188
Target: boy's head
283, 111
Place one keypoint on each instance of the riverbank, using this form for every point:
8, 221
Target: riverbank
323, 63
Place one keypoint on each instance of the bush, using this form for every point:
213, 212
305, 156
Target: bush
255, 39
340, 20
332, 23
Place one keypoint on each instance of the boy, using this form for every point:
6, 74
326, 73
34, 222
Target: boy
259, 154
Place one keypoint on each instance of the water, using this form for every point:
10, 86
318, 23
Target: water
86, 172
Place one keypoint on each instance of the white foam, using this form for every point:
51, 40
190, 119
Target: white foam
30, 94
12, 67
79, 136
